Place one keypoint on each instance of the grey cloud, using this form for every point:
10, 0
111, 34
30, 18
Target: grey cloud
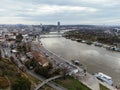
67, 11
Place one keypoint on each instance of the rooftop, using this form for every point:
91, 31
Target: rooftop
39, 57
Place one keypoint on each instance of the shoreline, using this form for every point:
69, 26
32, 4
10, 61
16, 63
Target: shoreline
111, 87
95, 43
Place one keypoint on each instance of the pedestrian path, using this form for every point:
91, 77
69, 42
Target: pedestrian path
46, 81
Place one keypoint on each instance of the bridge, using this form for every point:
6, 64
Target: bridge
46, 81
55, 34
50, 36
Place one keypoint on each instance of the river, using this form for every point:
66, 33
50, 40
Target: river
95, 59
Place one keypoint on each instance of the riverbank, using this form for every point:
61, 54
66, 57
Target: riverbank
90, 81
93, 35
97, 44
98, 39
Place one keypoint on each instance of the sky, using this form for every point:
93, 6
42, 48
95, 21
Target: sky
94, 12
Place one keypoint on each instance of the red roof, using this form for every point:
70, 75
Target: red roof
39, 57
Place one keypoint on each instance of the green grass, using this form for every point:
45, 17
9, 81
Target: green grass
8, 69
72, 84
103, 87
46, 87
33, 79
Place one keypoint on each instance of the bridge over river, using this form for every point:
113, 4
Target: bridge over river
55, 34
51, 36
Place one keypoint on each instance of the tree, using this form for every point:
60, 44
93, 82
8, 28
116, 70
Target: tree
64, 73
0, 55
57, 71
21, 83
31, 63
12, 58
19, 38
44, 71
50, 66
24, 48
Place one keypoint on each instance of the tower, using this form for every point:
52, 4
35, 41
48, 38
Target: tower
58, 26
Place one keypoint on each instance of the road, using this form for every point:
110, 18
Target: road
2, 52
46, 81
52, 84
5, 50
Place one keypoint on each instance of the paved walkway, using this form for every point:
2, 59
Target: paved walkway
52, 84
46, 81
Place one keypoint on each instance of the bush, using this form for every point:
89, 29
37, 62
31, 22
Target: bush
21, 83
31, 63
44, 71
3, 82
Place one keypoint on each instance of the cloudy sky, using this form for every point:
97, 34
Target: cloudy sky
100, 12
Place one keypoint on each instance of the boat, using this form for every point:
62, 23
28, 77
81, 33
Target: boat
83, 41
89, 42
99, 44
104, 78
76, 62
78, 40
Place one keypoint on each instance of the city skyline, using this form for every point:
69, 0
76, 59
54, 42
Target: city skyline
97, 12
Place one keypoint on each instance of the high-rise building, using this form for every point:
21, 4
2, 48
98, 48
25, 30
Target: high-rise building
58, 26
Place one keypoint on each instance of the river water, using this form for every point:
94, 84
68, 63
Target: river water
95, 59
